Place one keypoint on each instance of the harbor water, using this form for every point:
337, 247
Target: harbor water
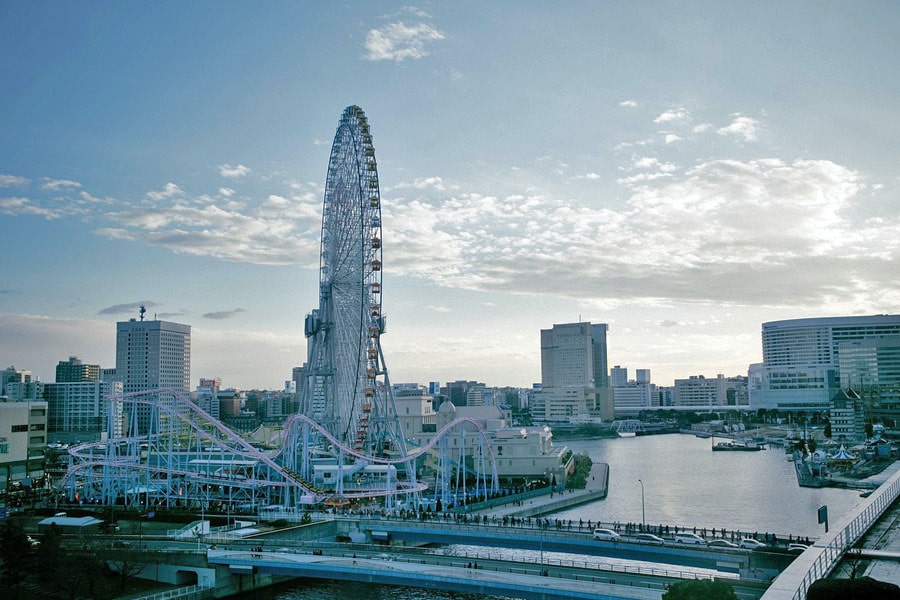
684, 484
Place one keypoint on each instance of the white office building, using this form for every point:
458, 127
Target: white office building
152, 355
801, 359
574, 375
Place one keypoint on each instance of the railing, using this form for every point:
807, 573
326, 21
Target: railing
193, 591
830, 548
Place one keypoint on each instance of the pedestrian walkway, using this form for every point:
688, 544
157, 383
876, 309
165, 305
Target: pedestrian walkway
596, 489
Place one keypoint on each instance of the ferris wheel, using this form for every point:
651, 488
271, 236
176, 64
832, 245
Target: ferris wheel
346, 388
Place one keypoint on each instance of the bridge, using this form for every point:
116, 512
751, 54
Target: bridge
542, 563
820, 559
548, 579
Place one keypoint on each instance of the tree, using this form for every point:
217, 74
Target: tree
700, 589
863, 587
828, 430
15, 552
812, 445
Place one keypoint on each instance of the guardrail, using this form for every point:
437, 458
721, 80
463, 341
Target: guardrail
191, 591
830, 548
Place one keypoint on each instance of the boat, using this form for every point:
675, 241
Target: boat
736, 447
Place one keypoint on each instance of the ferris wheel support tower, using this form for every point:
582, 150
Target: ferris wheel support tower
346, 387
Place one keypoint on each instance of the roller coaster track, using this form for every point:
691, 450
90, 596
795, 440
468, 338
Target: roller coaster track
100, 462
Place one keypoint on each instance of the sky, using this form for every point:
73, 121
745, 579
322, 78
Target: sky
682, 171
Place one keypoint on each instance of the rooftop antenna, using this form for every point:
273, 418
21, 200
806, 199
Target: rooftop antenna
143, 310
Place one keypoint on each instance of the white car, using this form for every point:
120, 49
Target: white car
649, 538
721, 544
689, 538
797, 547
751, 544
607, 535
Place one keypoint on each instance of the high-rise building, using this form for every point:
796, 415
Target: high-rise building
13, 375
801, 359
81, 411
75, 371
574, 376
871, 368
153, 355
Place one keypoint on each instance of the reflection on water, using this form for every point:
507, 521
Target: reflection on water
687, 484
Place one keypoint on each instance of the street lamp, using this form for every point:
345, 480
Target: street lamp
643, 513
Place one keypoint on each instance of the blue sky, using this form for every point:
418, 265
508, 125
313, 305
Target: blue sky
683, 171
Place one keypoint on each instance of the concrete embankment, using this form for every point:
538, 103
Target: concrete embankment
596, 489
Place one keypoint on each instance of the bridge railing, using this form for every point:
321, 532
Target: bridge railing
830, 548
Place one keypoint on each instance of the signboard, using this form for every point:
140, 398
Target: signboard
823, 516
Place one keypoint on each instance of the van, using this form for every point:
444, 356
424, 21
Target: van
607, 535
689, 538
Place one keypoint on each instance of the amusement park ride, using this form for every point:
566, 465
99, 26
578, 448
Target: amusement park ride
345, 445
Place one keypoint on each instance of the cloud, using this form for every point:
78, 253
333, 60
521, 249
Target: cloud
127, 308
55, 184
169, 191
704, 234
233, 172
671, 138
673, 115
628, 103
24, 206
742, 127
223, 314
399, 41
11, 180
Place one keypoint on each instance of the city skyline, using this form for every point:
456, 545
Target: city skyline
680, 172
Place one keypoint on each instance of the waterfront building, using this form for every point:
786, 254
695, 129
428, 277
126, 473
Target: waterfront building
23, 439
701, 393
871, 368
81, 412
847, 418
801, 359
575, 384
75, 371
519, 452
151, 355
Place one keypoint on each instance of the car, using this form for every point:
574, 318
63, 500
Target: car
797, 547
607, 535
648, 538
751, 544
721, 544
689, 538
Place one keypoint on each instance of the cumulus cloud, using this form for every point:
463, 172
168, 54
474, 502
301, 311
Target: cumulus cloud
55, 184
743, 127
694, 235
628, 103
170, 190
11, 180
24, 206
233, 172
399, 41
673, 115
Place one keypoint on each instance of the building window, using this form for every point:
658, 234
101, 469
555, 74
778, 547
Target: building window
19, 428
